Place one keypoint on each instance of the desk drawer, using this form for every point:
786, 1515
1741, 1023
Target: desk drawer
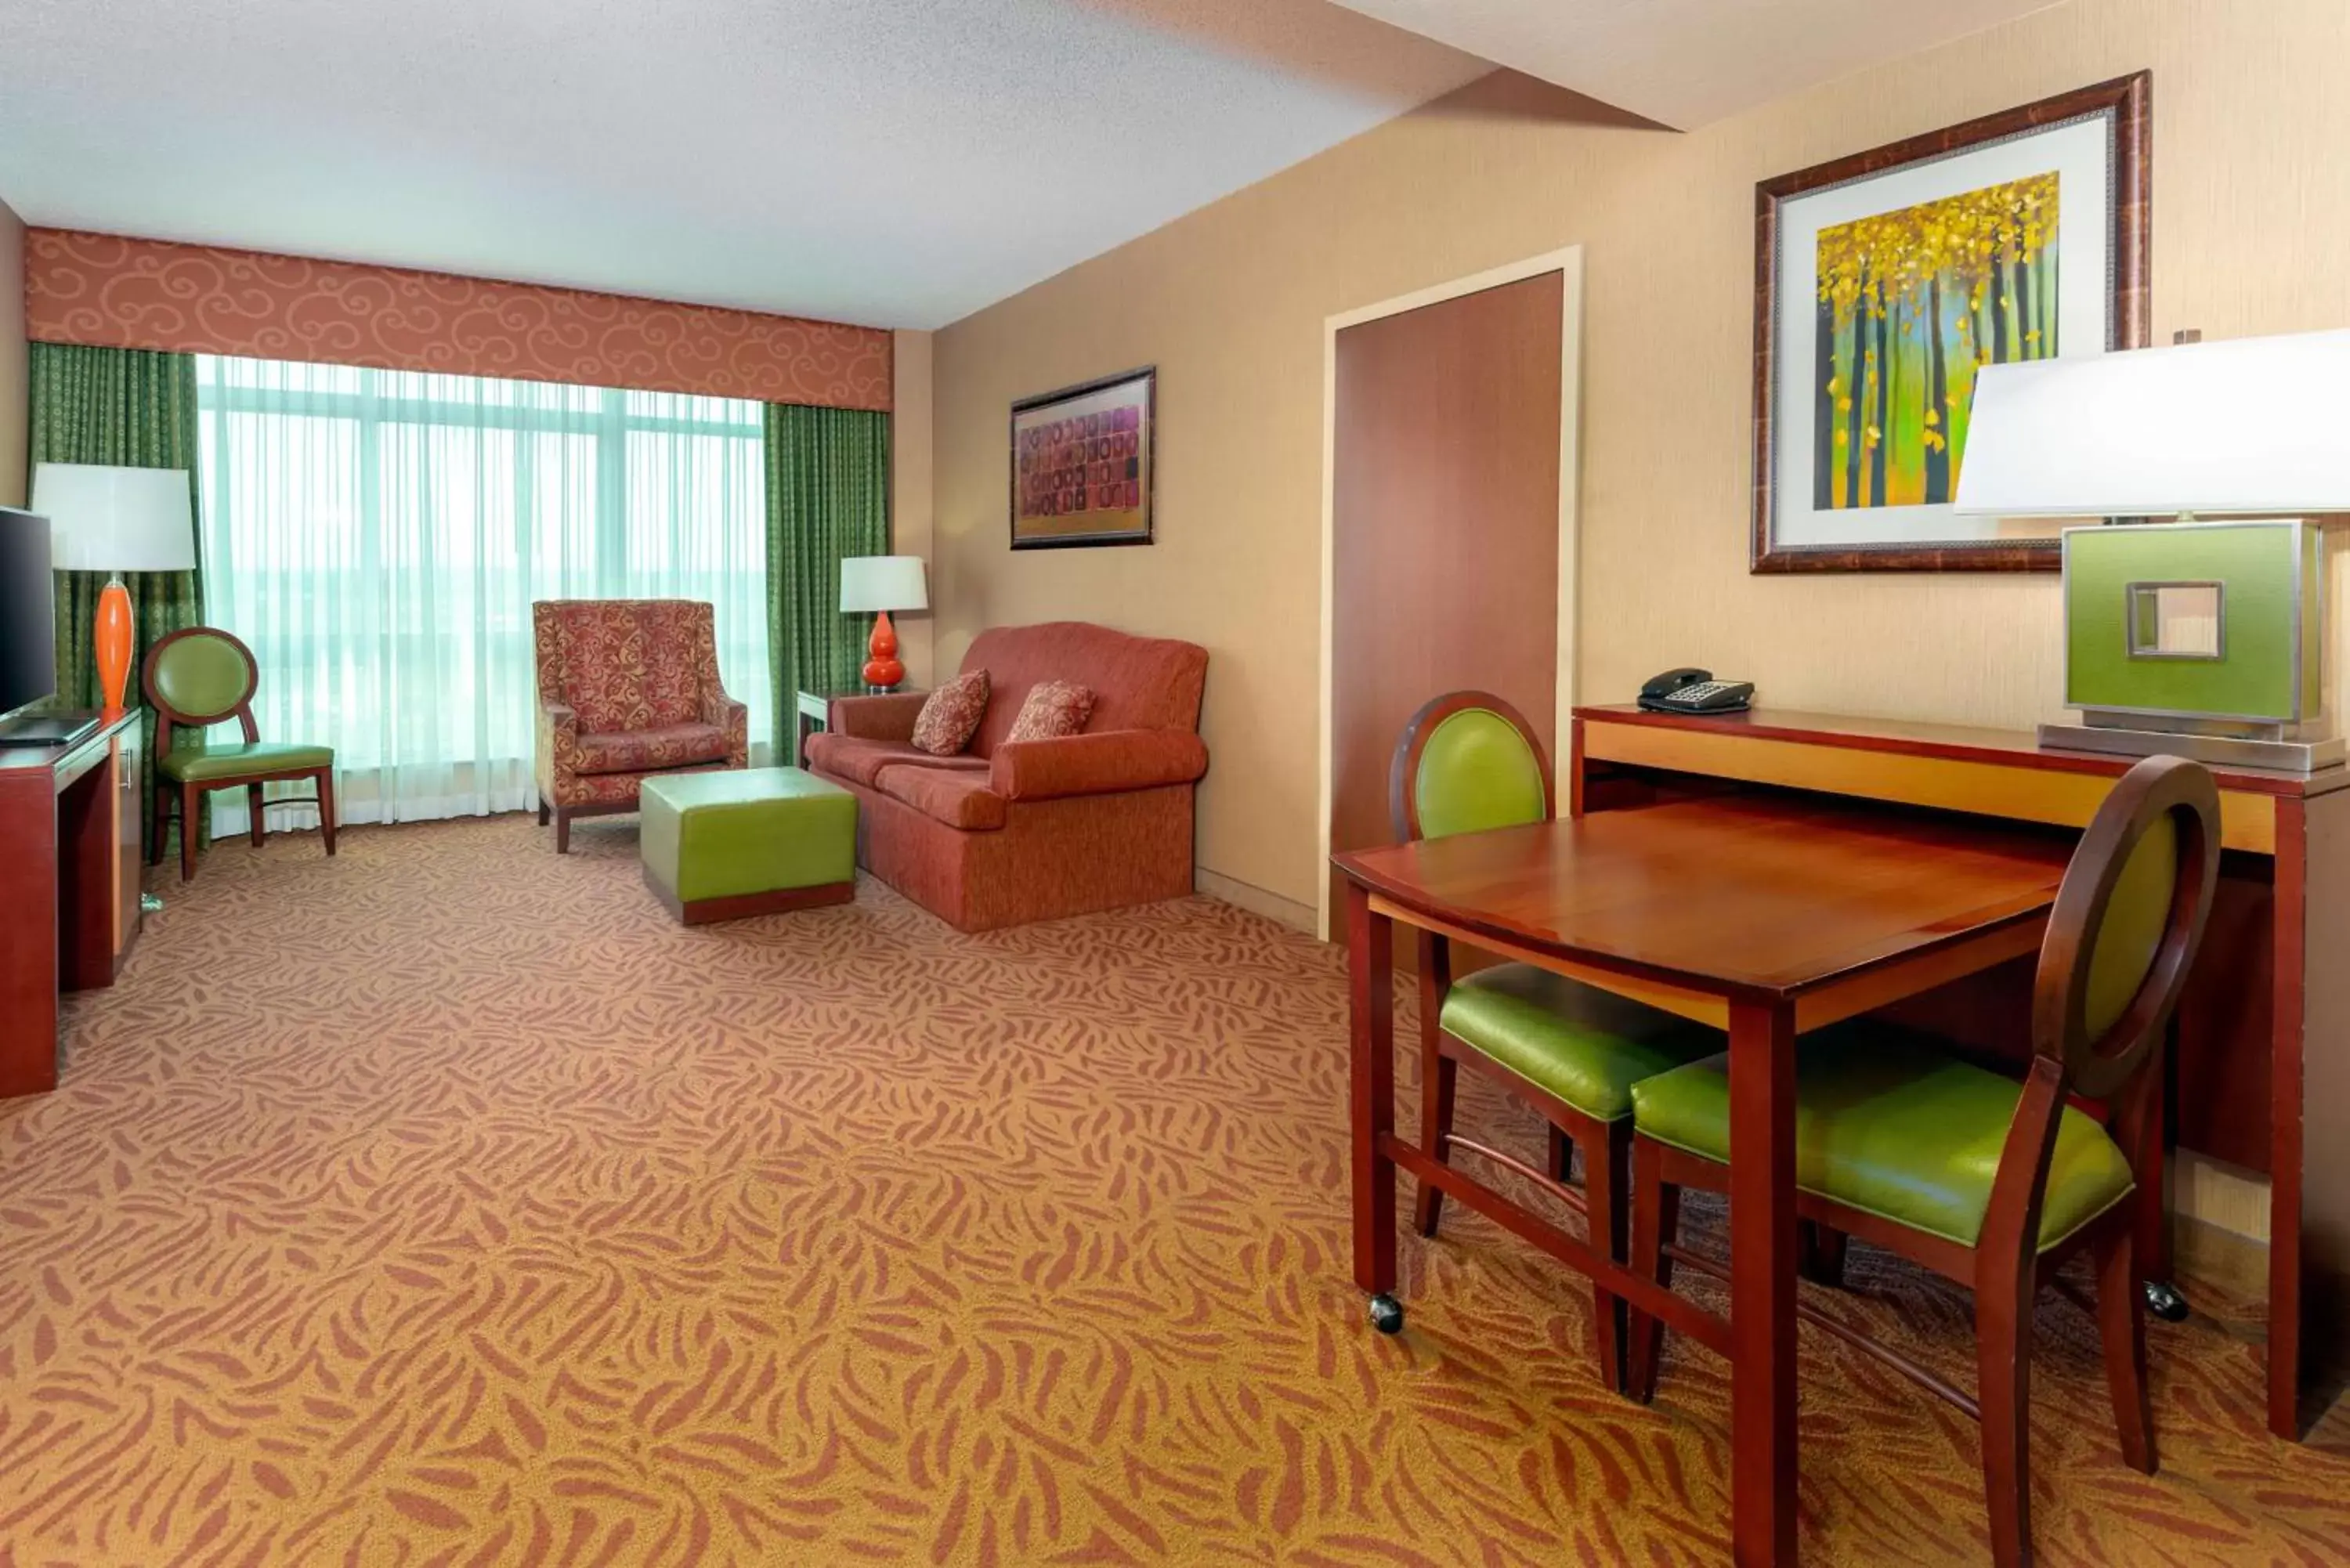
2247, 821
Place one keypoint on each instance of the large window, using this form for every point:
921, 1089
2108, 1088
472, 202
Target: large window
378, 537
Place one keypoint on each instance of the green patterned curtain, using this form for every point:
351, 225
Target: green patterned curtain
827, 497
130, 407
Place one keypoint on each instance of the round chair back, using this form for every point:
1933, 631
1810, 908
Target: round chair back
2127, 921
200, 676
1467, 762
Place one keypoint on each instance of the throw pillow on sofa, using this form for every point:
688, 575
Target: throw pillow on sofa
1054, 709
951, 716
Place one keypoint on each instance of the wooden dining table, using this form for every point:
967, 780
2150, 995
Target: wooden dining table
1763, 915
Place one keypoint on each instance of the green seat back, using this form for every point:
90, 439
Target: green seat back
1477, 772
2123, 949
202, 678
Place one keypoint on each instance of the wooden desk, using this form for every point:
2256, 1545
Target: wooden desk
1764, 916
69, 884
2263, 1062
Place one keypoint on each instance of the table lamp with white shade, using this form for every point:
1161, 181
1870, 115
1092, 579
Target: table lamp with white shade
875, 585
2195, 637
116, 520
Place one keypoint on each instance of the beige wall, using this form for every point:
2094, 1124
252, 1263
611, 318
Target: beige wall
2251, 215
911, 502
14, 388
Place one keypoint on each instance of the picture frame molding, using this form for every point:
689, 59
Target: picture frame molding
2129, 99
1148, 374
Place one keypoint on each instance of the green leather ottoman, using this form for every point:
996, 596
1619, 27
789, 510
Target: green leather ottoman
732, 841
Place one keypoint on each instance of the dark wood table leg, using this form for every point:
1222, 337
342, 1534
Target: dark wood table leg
1763, 1283
2159, 1137
1370, 966
2286, 1115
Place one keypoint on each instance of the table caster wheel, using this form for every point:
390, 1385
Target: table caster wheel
2163, 1300
1386, 1314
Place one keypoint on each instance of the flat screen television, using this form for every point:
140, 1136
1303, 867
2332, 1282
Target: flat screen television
28, 614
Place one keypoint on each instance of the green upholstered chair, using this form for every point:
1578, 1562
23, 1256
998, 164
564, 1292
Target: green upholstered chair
1988, 1182
1468, 762
199, 677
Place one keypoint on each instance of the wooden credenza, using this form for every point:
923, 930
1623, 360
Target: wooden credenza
2263, 1034
70, 870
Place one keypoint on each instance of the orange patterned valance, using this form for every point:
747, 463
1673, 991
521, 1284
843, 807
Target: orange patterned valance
111, 291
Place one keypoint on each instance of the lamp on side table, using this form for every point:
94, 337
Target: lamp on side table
875, 585
116, 520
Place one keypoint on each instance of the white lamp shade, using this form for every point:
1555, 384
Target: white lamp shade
870, 583
116, 519
2251, 427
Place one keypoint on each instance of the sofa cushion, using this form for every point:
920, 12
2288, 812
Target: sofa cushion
642, 750
1053, 710
957, 796
861, 758
1138, 683
951, 715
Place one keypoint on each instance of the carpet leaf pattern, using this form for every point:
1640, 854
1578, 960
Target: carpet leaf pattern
444, 1203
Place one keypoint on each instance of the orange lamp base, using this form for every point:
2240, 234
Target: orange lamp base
113, 644
883, 670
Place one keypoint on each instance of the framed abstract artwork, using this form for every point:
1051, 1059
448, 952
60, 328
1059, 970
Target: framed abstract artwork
1081, 464
1885, 280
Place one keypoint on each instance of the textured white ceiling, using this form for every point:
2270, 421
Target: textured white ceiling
894, 162
1686, 62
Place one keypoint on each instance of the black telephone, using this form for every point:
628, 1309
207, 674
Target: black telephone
1687, 690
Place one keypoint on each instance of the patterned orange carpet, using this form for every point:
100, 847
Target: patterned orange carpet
444, 1203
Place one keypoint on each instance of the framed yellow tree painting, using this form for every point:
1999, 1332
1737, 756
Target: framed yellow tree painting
1884, 281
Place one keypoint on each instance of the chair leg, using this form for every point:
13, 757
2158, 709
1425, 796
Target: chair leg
326, 807
1607, 1198
252, 810
562, 831
1821, 1249
162, 824
1440, 1074
2121, 1325
2003, 1390
1655, 1222
542, 811
1438, 1085
191, 798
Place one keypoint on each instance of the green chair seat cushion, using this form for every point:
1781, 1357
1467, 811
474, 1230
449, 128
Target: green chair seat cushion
1586, 1045
1897, 1128
733, 831
201, 761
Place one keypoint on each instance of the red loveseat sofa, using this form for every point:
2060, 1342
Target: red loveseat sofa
1007, 833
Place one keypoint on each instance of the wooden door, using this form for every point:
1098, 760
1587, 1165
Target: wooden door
1445, 529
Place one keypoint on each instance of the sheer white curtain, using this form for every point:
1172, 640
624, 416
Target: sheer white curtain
378, 536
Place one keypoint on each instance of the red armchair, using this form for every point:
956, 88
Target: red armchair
1009, 833
627, 688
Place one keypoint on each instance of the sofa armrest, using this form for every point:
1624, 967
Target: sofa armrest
1105, 762
734, 717
889, 717
559, 742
